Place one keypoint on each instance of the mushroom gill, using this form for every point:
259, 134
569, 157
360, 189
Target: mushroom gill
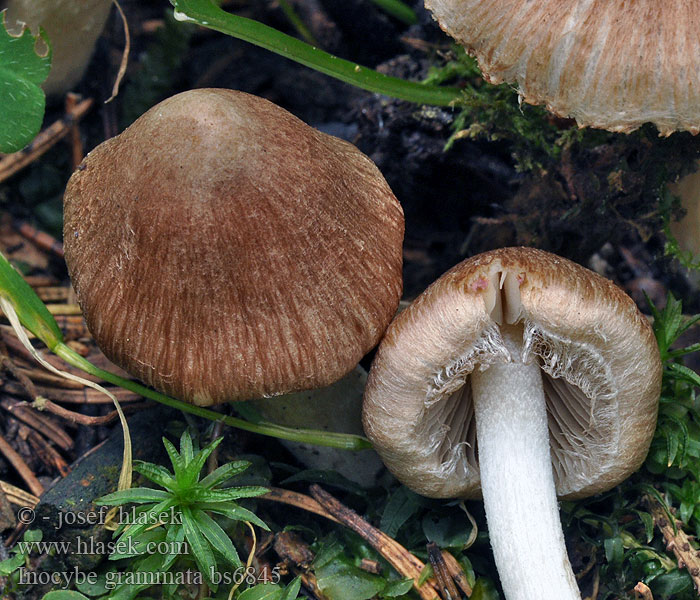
575, 381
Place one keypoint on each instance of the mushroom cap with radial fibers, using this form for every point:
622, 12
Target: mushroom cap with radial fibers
221, 249
612, 65
599, 360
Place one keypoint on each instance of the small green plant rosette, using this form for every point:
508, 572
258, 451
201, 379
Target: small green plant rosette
207, 14
25, 61
180, 511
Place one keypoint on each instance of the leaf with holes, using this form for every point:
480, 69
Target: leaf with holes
25, 61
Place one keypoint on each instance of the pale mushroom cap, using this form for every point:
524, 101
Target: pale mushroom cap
221, 249
600, 362
608, 64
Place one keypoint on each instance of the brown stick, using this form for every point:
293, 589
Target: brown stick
642, 592
52, 293
676, 540
21, 467
42, 239
47, 378
69, 310
24, 412
456, 572
397, 556
298, 556
300, 501
18, 496
442, 573
40, 280
76, 141
81, 419
49, 454
85, 396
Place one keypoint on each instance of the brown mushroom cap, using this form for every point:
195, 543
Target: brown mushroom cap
607, 64
598, 356
221, 249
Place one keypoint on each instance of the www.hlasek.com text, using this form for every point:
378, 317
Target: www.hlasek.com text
91, 545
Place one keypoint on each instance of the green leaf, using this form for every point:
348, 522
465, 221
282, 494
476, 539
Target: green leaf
134, 530
33, 535
194, 467
400, 507
186, 448
64, 595
135, 495
155, 473
175, 458
137, 545
341, 580
262, 591
393, 589
216, 537
291, 592
199, 548
229, 494
447, 529
234, 512
484, 589
648, 521
224, 473
23, 68
30, 309
670, 584
685, 374
92, 587
614, 551
10, 565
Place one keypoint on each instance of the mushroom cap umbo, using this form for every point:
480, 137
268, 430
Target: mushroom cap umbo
221, 249
611, 65
599, 360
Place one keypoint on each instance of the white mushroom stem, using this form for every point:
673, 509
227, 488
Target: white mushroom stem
517, 479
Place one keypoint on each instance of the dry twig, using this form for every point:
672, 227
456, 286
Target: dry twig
442, 573
73, 396
24, 412
48, 454
42, 239
300, 501
676, 540
21, 467
397, 556
297, 556
11, 163
18, 496
81, 419
642, 592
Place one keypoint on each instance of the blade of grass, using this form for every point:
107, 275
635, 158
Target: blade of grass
32, 312
296, 21
398, 10
207, 14
8, 307
34, 315
310, 436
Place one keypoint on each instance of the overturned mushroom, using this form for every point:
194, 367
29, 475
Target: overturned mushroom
221, 249
521, 376
613, 65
